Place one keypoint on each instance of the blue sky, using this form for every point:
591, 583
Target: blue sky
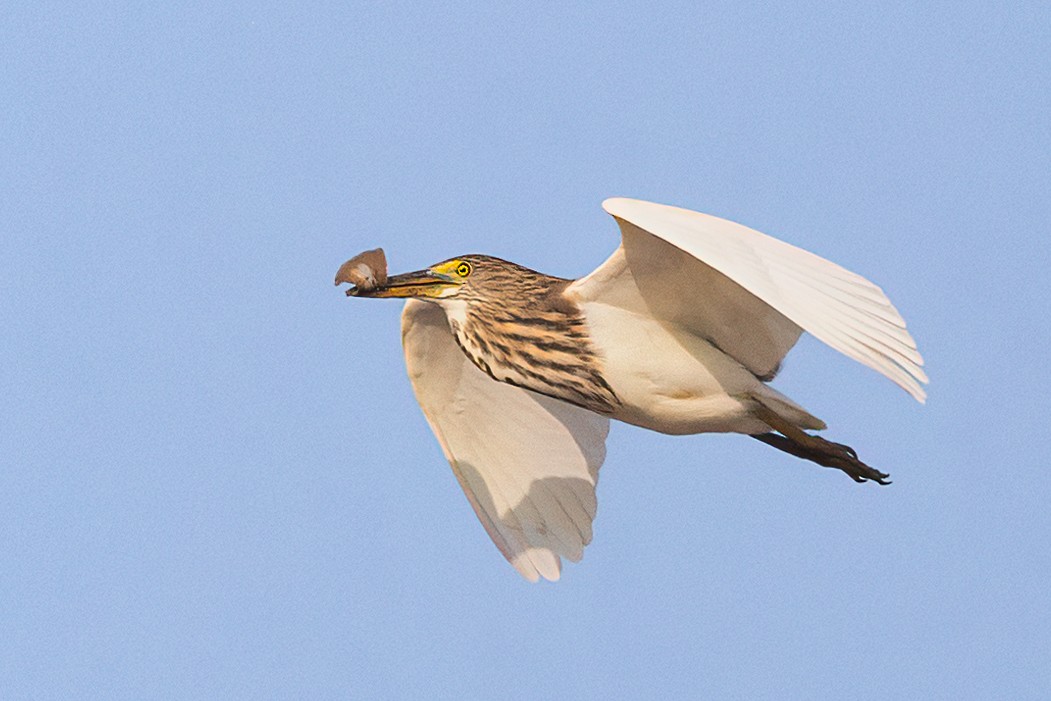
215, 481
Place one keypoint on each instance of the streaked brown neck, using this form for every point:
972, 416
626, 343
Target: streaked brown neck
536, 339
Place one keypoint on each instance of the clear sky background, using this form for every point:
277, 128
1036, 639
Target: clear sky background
215, 481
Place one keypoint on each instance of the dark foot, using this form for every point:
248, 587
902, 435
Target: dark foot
826, 454
795, 441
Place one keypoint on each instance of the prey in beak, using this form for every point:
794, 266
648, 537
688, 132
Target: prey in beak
367, 273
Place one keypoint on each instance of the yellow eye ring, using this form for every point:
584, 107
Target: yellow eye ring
463, 269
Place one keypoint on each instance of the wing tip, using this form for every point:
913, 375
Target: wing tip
615, 206
534, 563
909, 381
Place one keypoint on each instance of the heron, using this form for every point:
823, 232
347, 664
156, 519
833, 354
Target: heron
679, 331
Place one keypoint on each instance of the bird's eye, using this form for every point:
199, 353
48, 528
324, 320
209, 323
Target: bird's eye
463, 269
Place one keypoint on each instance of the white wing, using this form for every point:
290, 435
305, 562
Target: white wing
748, 293
528, 463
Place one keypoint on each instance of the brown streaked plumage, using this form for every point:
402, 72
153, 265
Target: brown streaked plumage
519, 328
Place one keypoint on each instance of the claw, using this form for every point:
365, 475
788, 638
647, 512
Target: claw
795, 441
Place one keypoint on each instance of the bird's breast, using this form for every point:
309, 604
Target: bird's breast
547, 351
668, 379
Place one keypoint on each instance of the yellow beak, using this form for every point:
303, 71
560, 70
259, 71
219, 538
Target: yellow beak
423, 283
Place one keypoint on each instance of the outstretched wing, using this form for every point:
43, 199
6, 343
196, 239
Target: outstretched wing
748, 293
527, 463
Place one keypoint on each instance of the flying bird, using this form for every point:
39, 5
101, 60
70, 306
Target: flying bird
679, 331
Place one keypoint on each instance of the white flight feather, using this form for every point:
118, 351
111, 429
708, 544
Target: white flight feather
837, 306
527, 463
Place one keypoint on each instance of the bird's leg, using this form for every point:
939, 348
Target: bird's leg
795, 441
